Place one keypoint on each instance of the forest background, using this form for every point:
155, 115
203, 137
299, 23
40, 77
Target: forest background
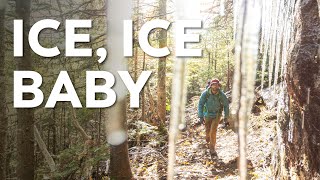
68, 143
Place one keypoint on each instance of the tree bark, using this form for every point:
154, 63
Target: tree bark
319, 7
143, 103
228, 74
3, 111
25, 117
44, 150
76, 124
209, 65
136, 50
299, 133
215, 59
54, 133
162, 66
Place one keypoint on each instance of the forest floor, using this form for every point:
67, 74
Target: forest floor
193, 160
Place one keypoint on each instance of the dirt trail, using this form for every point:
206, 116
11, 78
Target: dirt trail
194, 161
193, 158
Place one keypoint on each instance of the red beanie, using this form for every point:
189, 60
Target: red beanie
215, 81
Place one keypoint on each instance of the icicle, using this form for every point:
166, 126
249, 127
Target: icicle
290, 131
267, 24
264, 60
265, 21
262, 32
308, 96
284, 44
247, 44
302, 117
222, 8
237, 73
116, 62
178, 94
273, 42
291, 20
279, 41
235, 8
290, 6
304, 106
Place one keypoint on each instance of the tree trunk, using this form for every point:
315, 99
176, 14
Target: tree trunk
25, 117
136, 50
209, 65
143, 103
319, 7
3, 111
298, 129
54, 133
44, 150
78, 127
215, 59
86, 155
162, 66
228, 74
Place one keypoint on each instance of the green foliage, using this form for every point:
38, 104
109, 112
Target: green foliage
141, 132
67, 163
168, 106
217, 44
196, 78
70, 160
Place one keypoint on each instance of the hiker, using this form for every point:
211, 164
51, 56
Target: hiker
211, 104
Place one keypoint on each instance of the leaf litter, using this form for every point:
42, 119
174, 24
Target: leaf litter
193, 160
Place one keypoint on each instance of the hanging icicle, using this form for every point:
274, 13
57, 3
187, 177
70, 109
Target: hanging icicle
278, 44
236, 8
222, 7
290, 130
246, 55
267, 37
263, 28
285, 40
287, 28
179, 91
274, 21
275, 38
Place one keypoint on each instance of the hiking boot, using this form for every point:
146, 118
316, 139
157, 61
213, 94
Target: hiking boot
213, 153
225, 125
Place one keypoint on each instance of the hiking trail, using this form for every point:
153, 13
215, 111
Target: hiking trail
193, 160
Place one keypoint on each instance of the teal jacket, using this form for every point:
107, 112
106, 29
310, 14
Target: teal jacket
213, 103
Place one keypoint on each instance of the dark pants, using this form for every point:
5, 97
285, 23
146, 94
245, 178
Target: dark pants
211, 131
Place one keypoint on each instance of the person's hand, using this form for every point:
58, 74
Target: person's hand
226, 122
201, 120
